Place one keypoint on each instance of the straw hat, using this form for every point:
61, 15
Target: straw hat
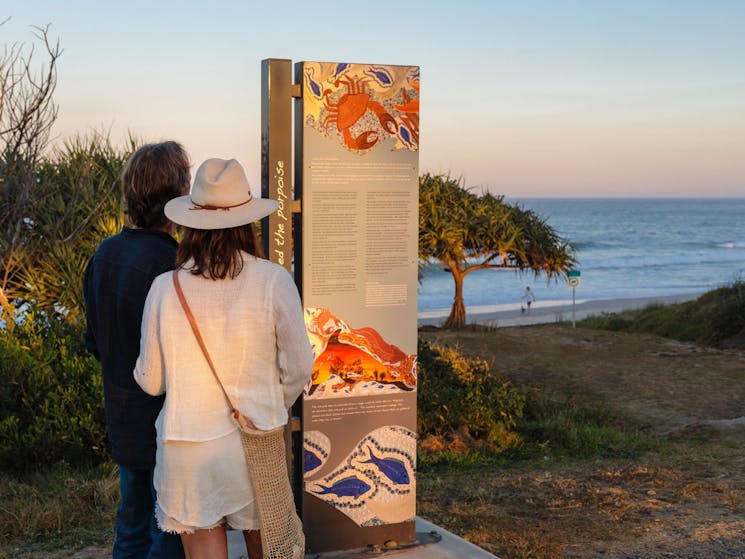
220, 198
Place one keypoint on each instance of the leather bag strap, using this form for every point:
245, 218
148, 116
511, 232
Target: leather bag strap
180, 292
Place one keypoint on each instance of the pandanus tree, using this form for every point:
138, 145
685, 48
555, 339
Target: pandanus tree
467, 232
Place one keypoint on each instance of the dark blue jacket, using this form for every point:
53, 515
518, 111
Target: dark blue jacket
116, 284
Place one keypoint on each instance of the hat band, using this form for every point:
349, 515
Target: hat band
225, 208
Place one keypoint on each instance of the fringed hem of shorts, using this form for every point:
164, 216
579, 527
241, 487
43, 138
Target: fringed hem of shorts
172, 526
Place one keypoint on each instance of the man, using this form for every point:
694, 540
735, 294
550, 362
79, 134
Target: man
528, 298
116, 285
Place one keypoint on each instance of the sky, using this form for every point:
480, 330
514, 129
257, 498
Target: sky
531, 98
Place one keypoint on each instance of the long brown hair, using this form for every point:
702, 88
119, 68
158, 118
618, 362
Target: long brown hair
216, 252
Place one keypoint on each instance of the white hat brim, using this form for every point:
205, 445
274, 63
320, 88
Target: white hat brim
182, 210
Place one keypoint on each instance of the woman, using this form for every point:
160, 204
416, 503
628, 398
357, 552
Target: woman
250, 317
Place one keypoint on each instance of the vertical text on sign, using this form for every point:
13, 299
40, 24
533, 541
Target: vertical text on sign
282, 229
276, 155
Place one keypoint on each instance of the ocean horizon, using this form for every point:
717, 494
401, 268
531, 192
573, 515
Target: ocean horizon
626, 248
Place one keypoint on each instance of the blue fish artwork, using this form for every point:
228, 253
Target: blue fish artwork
314, 86
310, 461
380, 75
392, 468
404, 134
340, 68
348, 487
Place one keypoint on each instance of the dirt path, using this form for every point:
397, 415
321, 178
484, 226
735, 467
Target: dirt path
685, 501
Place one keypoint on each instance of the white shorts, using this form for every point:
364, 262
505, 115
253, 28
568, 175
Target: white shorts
201, 485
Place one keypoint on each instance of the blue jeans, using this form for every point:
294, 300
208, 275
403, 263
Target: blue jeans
137, 532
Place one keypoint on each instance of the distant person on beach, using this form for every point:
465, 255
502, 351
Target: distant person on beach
528, 298
116, 284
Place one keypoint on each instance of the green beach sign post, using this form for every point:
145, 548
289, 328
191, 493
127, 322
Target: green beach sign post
573, 281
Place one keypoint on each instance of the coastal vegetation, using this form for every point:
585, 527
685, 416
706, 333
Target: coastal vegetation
467, 232
717, 319
54, 207
27, 114
607, 440
72, 203
469, 416
632, 446
51, 397
462, 404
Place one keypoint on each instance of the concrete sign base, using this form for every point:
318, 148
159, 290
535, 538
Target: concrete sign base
434, 543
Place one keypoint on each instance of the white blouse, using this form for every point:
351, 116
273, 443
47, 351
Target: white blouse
254, 330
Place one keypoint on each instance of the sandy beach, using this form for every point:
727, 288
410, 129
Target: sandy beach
549, 311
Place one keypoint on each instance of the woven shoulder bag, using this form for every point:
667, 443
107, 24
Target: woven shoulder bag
281, 530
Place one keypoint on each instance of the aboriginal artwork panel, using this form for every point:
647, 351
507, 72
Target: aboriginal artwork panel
363, 104
374, 484
354, 361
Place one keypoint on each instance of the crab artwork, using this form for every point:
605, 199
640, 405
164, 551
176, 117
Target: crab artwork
350, 108
363, 105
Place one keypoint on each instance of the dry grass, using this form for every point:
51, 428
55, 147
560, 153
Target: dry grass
603, 508
58, 508
682, 499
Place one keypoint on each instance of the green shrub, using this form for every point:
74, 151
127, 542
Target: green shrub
716, 318
565, 427
458, 395
613, 322
79, 204
51, 396
725, 318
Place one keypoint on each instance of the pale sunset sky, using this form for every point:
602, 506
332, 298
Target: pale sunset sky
528, 98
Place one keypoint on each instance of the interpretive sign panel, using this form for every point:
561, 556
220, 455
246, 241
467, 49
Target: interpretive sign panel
357, 162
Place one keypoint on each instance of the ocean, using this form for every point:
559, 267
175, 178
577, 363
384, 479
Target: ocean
626, 248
